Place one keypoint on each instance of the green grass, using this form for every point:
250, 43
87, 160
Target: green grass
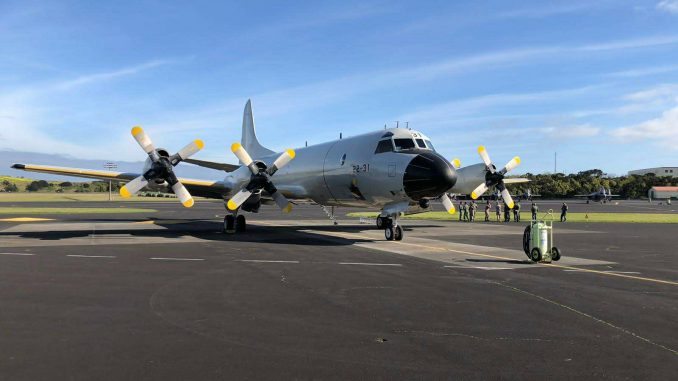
645, 218
48, 211
52, 196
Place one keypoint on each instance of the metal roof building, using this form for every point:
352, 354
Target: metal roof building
662, 192
659, 171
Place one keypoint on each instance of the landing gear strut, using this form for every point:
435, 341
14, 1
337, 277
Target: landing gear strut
392, 231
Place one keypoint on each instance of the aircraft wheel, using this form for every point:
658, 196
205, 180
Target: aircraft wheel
229, 224
555, 253
398, 236
240, 224
380, 222
389, 233
535, 255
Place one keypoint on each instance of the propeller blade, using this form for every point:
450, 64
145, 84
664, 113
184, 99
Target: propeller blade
484, 156
511, 165
182, 194
281, 161
191, 149
456, 163
133, 187
447, 203
143, 139
482, 188
506, 195
282, 202
238, 199
244, 157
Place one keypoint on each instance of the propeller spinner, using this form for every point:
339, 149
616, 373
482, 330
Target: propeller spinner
494, 177
162, 168
260, 179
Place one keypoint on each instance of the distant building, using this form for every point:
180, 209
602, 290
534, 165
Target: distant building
662, 192
660, 171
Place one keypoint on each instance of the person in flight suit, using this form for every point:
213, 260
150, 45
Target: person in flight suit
465, 210
488, 206
461, 210
473, 208
507, 212
534, 209
497, 210
563, 213
516, 212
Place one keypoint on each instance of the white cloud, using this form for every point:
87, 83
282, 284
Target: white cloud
571, 132
670, 6
642, 72
663, 130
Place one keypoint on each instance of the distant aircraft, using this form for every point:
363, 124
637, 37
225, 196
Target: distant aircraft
527, 195
602, 195
395, 170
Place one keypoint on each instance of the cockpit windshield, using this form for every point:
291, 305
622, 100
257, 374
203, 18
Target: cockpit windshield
403, 144
430, 145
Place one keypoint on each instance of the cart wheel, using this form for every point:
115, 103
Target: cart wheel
526, 239
535, 254
555, 253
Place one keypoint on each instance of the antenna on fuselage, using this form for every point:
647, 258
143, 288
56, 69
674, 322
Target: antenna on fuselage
307, 143
340, 135
397, 123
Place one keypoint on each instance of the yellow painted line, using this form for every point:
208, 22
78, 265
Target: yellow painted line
160, 222
25, 219
599, 272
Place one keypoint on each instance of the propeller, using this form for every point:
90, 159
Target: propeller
162, 167
260, 178
494, 177
456, 163
447, 203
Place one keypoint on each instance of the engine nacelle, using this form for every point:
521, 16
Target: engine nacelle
156, 185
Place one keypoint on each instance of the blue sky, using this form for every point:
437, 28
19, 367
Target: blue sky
595, 81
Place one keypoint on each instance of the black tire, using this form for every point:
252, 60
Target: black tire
535, 254
526, 239
555, 253
389, 233
229, 224
380, 222
240, 224
398, 233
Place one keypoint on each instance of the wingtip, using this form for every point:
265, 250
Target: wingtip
18, 166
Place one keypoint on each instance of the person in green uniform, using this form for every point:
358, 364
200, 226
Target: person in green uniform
516, 212
534, 209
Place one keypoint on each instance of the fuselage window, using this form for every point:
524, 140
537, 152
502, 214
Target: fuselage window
384, 146
403, 144
420, 143
430, 145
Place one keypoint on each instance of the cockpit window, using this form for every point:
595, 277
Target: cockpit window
384, 146
403, 144
420, 143
430, 145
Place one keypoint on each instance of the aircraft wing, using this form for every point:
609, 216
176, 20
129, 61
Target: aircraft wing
516, 180
213, 165
202, 188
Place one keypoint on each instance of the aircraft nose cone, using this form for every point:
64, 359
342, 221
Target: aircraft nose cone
428, 175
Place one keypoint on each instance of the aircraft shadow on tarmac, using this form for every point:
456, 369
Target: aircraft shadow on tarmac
206, 230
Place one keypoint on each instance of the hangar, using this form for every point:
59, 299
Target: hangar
662, 192
659, 171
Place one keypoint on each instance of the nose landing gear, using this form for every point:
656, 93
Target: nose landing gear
392, 231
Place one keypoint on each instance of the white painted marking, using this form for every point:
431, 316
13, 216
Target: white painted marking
481, 267
90, 256
370, 264
177, 259
607, 271
263, 261
23, 254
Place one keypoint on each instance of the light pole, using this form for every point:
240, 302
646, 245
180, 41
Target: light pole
110, 166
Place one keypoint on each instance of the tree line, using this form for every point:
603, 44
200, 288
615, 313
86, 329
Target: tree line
560, 185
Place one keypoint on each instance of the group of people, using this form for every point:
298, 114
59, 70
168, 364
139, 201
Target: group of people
467, 211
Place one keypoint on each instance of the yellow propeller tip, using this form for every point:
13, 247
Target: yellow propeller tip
517, 159
199, 143
511, 205
188, 203
291, 153
288, 208
124, 192
456, 163
481, 149
474, 195
235, 147
231, 205
137, 130
452, 211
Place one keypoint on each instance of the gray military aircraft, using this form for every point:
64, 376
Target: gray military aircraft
395, 170
602, 195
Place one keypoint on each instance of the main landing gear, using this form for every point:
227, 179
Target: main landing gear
392, 231
234, 223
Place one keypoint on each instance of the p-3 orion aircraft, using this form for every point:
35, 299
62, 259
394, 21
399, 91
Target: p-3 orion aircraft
395, 170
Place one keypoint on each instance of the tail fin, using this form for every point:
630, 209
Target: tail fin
249, 135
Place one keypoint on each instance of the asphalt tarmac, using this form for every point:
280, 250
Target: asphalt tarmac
165, 295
